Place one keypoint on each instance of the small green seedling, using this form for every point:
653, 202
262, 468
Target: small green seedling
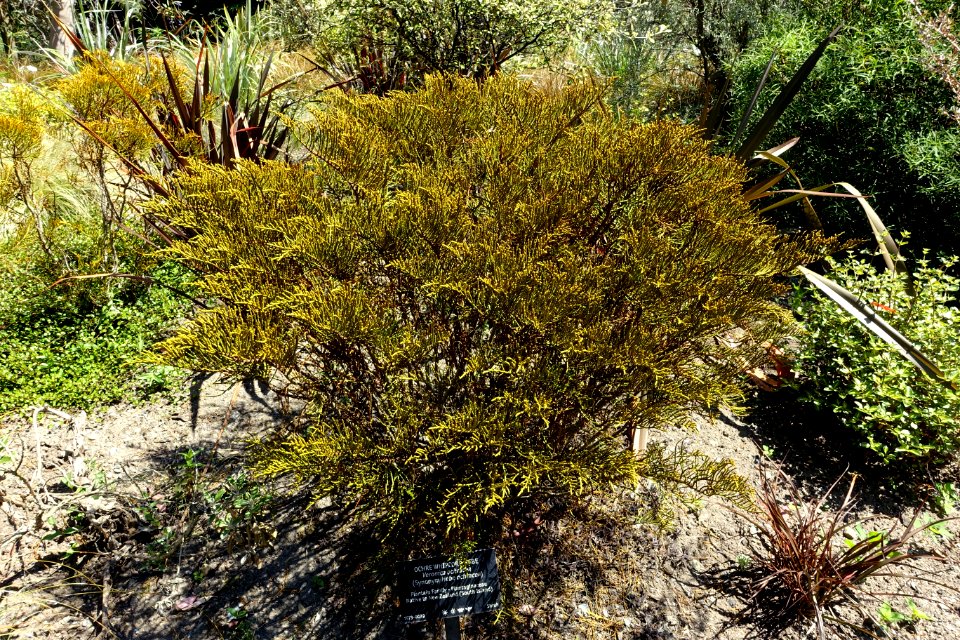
238, 621
944, 498
236, 614
936, 529
857, 534
916, 615
890, 616
5, 456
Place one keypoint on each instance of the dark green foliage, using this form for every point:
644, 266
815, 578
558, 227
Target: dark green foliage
871, 113
22, 24
480, 289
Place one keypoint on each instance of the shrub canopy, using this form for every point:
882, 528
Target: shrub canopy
479, 289
897, 411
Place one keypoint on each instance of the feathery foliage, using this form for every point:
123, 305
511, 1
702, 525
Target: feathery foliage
96, 94
480, 289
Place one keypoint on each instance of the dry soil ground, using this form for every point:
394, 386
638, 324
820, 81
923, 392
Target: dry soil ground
134, 522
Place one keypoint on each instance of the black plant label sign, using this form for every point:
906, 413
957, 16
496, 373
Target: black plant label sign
445, 587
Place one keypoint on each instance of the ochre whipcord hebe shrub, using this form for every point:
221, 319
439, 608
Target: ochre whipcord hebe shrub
479, 288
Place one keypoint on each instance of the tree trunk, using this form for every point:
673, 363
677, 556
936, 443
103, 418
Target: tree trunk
7, 42
59, 40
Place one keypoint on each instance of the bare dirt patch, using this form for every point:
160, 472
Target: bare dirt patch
141, 524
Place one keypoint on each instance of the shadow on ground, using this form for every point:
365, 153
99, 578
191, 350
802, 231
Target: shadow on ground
815, 449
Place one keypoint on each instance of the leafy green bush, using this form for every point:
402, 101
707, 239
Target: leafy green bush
481, 288
871, 113
898, 411
473, 38
59, 348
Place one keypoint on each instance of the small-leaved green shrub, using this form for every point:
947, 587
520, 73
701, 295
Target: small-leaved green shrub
898, 411
474, 38
480, 289
59, 348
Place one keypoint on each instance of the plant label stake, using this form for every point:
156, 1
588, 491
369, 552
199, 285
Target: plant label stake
449, 588
451, 627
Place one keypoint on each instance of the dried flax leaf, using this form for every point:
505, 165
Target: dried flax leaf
888, 247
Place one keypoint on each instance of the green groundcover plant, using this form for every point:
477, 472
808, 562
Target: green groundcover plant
480, 288
898, 411
60, 348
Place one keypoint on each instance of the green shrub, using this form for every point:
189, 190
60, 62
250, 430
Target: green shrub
898, 411
58, 347
473, 38
871, 113
480, 289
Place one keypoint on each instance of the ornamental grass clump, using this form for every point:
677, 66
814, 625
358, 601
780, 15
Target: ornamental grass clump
480, 289
808, 561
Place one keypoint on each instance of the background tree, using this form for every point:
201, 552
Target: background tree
58, 40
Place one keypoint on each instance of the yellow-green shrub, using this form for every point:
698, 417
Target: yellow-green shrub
97, 95
480, 288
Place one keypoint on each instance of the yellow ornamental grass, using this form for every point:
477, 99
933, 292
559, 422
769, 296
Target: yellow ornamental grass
480, 288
